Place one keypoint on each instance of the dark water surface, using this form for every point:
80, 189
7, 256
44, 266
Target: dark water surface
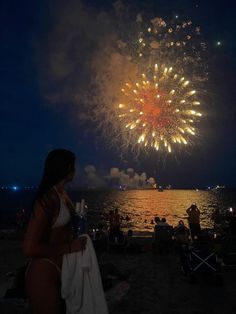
139, 205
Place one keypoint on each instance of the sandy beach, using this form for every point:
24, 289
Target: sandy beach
155, 284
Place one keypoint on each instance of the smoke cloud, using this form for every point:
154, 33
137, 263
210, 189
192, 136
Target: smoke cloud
116, 178
83, 67
67, 56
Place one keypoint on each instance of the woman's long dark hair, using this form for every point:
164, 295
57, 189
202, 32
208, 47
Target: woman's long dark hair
58, 165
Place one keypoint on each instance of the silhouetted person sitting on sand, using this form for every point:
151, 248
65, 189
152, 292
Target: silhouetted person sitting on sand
160, 222
181, 233
131, 245
161, 226
163, 222
157, 221
194, 220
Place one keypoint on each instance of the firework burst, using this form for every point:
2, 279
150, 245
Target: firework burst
160, 110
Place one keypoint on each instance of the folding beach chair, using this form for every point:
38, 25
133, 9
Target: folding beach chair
163, 239
201, 257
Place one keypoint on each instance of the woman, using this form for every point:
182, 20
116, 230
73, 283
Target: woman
49, 235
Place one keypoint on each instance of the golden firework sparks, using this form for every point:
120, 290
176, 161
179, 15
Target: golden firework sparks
159, 111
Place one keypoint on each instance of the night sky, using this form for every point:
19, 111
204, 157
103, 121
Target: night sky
31, 124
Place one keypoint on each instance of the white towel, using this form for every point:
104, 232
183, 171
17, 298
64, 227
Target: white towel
81, 282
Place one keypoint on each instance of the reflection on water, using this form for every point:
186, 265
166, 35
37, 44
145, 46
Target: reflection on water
137, 204
141, 205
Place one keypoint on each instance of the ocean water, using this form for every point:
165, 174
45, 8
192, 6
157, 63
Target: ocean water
141, 206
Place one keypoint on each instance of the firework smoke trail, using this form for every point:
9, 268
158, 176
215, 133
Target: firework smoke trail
146, 89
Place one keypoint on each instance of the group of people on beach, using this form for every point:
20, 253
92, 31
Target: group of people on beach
50, 242
112, 238
193, 221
